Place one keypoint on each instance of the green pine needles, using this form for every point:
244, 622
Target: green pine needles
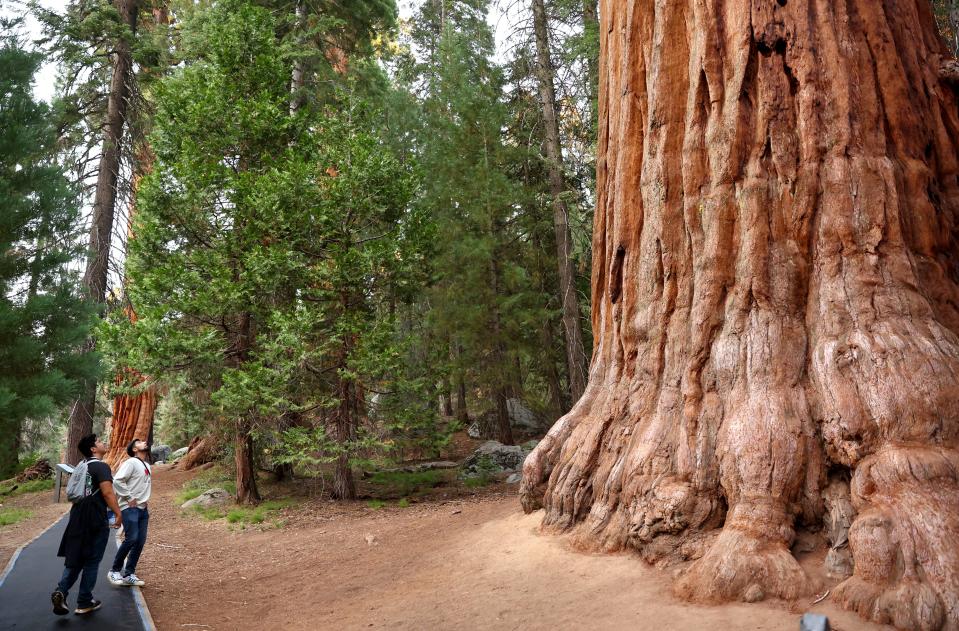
43, 319
272, 245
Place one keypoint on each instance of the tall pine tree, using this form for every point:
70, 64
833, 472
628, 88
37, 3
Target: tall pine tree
43, 319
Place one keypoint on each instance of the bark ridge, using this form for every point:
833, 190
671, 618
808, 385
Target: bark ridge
775, 303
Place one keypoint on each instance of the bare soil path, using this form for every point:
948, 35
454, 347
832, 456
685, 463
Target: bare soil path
469, 563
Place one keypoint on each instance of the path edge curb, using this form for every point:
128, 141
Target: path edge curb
143, 610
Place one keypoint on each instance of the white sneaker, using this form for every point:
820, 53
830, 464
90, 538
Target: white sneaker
115, 578
132, 580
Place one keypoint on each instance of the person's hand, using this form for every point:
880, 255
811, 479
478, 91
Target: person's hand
118, 521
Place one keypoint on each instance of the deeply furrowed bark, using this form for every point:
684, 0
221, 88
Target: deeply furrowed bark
132, 418
775, 295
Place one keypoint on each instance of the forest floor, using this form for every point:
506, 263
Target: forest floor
450, 558
464, 561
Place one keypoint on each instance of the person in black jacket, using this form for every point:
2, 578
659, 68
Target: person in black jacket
85, 539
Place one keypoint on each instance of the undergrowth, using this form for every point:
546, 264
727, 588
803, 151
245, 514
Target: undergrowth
246, 515
404, 483
11, 488
10, 516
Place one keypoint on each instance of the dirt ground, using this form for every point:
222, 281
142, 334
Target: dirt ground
465, 563
43, 513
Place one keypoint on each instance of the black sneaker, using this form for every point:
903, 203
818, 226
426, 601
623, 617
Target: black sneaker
93, 606
59, 603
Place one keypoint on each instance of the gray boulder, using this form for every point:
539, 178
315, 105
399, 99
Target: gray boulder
521, 417
179, 453
211, 497
494, 457
160, 453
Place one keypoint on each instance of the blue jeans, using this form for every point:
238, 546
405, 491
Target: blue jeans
89, 570
135, 522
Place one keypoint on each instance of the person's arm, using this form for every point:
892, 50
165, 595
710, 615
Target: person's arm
106, 488
121, 478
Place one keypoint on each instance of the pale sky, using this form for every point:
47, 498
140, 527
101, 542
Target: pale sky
46, 78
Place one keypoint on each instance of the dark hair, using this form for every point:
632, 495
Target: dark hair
132, 446
86, 445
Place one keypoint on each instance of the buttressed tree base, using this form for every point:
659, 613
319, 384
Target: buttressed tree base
775, 303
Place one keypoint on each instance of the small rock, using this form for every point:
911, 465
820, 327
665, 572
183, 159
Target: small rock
754, 593
456, 512
211, 497
514, 478
814, 622
371, 540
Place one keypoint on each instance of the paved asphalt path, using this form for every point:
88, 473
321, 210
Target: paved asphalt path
25, 592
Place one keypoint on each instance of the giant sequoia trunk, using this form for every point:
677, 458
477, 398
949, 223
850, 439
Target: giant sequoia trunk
775, 302
104, 202
132, 418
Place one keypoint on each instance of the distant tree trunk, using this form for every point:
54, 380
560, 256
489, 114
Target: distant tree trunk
591, 29
104, 201
344, 423
446, 398
462, 415
572, 327
246, 488
9, 447
954, 27
501, 429
553, 382
298, 78
344, 487
775, 300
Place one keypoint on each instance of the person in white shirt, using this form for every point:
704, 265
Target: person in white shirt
132, 484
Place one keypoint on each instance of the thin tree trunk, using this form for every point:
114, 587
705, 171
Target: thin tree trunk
462, 414
572, 327
774, 298
344, 425
246, 488
556, 404
298, 79
344, 487
503, 431
591, 30
104, 201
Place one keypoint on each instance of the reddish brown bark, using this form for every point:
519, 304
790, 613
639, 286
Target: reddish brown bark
775, 299
132, 418
201, 451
